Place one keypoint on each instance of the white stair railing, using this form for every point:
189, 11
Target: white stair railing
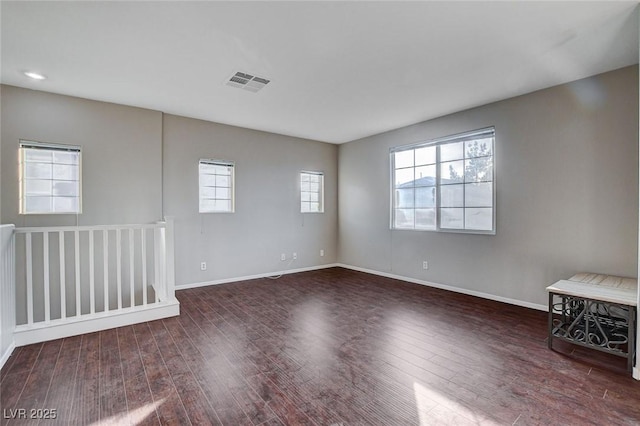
92, 274
7, 292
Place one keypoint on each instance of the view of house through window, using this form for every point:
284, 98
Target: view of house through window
216, 180
311, 192
49, 178
446, 184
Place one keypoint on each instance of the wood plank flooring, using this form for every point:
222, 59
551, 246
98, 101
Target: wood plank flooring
328, 347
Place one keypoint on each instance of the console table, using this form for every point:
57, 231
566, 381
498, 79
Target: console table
595, 311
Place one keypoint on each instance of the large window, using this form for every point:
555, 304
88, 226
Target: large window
216, 186
49, 178
446, 184
311, 192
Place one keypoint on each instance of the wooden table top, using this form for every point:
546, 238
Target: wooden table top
606, 288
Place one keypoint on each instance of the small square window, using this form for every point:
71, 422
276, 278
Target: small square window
216, 180
49, 178
311, 192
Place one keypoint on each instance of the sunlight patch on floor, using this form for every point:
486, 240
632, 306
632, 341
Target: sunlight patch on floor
132, 417
434, 406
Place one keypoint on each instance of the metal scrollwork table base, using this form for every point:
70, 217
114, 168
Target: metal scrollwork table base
595, 311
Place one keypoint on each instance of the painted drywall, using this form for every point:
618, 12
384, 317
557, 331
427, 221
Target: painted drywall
121, 179
567, 201
267, 220
121, 156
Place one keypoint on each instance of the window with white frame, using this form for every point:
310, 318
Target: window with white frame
447, 184
311, 192
216, 179
49, 178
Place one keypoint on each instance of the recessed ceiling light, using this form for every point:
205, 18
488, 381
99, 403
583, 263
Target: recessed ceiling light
34, 75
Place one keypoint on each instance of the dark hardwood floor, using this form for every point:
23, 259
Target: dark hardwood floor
329, 347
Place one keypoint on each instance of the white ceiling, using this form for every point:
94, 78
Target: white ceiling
339, 71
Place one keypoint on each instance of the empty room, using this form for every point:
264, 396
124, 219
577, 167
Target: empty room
319, 212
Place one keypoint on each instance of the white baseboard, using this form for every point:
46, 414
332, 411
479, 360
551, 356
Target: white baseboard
257, 276
7, 354
374, 272
480, 294
636, 373
57, 329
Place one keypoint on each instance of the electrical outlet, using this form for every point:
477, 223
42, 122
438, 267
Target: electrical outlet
425, 265
283, 256
203, 266
321, 253
295, 255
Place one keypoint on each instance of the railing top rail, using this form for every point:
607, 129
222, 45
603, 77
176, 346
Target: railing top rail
88, 228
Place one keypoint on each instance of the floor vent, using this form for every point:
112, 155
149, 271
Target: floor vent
246, 81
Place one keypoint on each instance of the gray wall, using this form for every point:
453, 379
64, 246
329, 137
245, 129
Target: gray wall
267, 219
128, 152
567, 200
121, 156
121, 178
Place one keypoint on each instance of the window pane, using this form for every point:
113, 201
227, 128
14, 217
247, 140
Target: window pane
452, 172
222, 205
314, 196
452, 196
478, 195
223, 193
403, 159
305, 196
38, 155
207, 205
445, 184
404, 176
304, 207
426, 175
65, 204
62, 157
425, 218
65, 172
38, 204
38, 171
207, 180
479, 169
404, 218
425, 196
207, 192
480, 219
304, 177
404, 198
37, 187
314, 186
314, 178
66, 188
223, 181
451, 218
426, 155
452, 151
305, 186
314, 207
478, 148
216, 169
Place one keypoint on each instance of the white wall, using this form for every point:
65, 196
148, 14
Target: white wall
267, 220
567, 200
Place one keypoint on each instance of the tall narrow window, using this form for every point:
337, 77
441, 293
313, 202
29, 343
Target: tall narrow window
49, 178
216, 186
446, 184
311, 192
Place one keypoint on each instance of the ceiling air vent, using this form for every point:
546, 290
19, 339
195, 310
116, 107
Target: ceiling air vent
246, 81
